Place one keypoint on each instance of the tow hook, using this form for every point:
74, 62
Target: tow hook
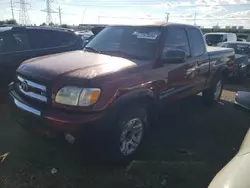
69, 138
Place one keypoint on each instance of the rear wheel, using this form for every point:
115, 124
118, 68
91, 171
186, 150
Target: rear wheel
213, 94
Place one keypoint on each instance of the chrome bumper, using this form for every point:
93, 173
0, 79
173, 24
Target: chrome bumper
26, 107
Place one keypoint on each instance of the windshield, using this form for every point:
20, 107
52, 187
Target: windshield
214, 38
136, 42
238, 48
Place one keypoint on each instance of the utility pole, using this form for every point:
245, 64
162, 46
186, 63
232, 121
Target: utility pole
12, 9
195, 18
23, 16
167, 16
60, 15
83, 14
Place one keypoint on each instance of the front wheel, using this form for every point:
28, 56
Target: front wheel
213, 94
128, 134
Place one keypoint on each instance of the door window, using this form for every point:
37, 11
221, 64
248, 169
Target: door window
196, 42
13, 42
41, 39
176, 39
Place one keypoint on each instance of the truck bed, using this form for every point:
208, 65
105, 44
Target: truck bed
213, 51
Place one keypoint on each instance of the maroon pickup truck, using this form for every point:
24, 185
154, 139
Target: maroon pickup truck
113, 87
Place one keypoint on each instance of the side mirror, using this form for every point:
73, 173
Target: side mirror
173, 56
84, 43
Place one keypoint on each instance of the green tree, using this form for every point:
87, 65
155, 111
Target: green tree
11, 21
64, 26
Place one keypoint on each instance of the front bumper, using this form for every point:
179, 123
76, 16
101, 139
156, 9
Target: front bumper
53, 122
242, 99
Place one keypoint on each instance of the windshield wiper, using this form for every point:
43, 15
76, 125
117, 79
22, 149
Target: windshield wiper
92, 50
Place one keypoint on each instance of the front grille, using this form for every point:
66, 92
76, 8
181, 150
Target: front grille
32, 89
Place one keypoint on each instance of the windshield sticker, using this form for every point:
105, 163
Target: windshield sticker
151, 35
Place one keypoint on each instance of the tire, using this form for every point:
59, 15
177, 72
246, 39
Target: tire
213, 93
124, 143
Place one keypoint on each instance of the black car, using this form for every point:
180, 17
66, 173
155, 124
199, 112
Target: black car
89, 35
241, 66
19, 43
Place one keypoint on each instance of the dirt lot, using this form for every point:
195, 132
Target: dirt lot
188, 147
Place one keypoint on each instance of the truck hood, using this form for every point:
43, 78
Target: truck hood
76, 64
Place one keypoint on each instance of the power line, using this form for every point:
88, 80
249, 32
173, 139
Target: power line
146, 4
23, 15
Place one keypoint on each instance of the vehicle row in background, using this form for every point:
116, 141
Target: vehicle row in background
239, 69
213, 39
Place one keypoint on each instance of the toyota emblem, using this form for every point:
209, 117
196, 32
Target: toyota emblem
24, 86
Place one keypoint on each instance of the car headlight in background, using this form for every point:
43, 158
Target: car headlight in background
76, 96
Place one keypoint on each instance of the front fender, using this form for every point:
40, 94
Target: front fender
135, 95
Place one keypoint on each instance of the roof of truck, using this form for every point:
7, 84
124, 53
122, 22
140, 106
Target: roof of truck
150, 23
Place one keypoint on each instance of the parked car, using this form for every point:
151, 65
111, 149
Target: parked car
241, 40
236, 173
241, 66
242, 99
213, 39
87, 37
114, 87
19, 43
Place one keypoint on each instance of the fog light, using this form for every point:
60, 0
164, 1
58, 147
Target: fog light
69, 138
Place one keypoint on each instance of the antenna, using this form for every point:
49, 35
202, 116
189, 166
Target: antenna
195, 18
167, 17
23, 15
12, 9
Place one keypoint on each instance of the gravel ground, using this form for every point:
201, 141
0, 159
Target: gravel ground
187, 148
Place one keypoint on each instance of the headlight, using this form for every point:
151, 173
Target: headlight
76, 96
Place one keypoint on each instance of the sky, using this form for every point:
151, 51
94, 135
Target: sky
206, 13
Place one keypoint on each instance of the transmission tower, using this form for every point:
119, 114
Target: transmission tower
23, 15
49, 11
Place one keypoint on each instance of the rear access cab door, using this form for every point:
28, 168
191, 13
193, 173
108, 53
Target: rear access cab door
189, 77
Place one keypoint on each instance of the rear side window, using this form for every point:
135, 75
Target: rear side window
176, 39
50, 39
13, 42
196, 42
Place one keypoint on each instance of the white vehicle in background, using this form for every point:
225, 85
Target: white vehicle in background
241, 40
236, 173
213, 39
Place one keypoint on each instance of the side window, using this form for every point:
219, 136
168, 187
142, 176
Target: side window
41, 39
196, 42
13, 42
176, 39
